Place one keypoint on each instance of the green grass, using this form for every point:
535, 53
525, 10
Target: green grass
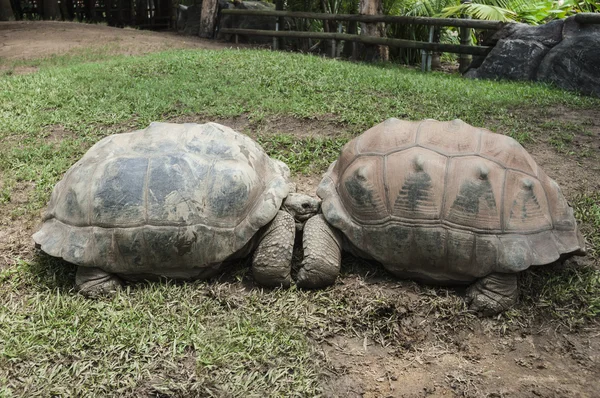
229, 338
311, 155
587, 211
195, 339
159, 338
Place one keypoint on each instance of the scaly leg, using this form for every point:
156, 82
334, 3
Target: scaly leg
272, 261
322, 254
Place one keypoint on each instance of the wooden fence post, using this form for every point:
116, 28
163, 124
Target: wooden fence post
464, 60
278, 25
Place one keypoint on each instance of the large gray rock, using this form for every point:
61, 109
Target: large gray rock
506, 60
248, 22
188, 19
549, 34
564, 53
574, 64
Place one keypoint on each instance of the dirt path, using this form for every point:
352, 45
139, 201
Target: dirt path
26, 40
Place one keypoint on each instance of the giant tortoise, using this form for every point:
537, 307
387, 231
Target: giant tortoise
177, 201
443, 202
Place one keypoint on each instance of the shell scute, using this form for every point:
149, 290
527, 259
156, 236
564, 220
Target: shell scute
363, 186
473, 194
392, 134
414, 177
525, 204
449, 138
508, 152
118, 194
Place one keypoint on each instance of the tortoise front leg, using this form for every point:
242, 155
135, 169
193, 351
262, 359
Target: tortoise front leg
93, 282
493, 294
272, 262
322, 254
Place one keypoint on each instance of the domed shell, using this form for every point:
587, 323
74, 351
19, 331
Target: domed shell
169, 197
447, 200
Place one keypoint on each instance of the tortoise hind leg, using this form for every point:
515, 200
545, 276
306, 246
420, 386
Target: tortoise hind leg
93, 282
272, 262
493, 294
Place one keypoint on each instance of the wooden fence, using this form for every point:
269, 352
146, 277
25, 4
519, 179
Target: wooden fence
146, 14
464, 26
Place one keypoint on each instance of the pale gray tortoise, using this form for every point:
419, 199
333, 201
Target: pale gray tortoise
441, 202
176, 201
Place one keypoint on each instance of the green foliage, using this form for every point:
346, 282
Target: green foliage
480, 11
533, 12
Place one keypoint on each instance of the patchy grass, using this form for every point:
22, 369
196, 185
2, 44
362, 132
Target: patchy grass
203, 338
567, 294
311, 155
73, 57
229, 338
153, 339
587, 211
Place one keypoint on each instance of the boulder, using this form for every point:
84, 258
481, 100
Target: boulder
574, 63
506, 60
188, 19
562, 52
549, 34
248, 22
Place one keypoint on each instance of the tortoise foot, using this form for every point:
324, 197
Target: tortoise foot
322, 254
94, 282
493, 294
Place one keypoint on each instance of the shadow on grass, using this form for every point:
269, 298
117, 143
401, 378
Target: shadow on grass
52, 272
55, 273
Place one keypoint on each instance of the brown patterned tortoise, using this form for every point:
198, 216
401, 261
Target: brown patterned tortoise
442, 202
177, 201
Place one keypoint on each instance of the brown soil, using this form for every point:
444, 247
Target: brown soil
26, 40
473, 361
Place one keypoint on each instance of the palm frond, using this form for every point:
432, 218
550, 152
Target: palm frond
480, 11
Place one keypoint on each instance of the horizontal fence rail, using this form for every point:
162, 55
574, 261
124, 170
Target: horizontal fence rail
451, 48
460, 23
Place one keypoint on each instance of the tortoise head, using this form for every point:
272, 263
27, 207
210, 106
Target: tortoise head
301, 207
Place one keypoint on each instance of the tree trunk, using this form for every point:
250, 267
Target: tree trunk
6, 11
373, 52
51, 9
208, 17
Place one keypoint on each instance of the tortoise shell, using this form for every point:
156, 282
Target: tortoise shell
163, 200
447, 201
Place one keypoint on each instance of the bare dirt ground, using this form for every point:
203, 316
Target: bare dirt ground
475, 359
26, 40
